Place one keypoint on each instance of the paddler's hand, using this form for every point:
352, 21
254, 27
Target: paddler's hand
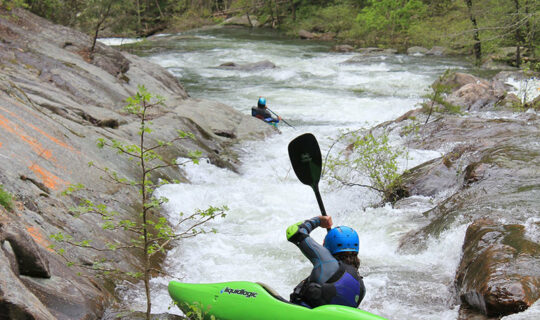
326, 221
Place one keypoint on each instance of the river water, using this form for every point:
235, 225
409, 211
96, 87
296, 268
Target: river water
315, 91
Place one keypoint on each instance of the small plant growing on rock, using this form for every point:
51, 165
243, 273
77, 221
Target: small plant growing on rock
366, 157
436, 102
6, 199
151, 234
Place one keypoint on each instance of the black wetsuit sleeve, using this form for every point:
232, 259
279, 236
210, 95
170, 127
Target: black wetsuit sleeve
324, 264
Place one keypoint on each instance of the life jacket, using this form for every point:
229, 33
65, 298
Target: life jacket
345, 288
263, 114
255, 113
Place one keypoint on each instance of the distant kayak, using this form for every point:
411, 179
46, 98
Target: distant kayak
254, 301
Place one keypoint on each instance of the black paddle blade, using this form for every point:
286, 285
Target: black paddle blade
306, 159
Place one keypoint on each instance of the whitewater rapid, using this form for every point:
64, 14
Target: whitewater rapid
316, 91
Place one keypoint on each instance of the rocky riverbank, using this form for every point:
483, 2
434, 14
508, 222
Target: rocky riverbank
56, 100
489, 178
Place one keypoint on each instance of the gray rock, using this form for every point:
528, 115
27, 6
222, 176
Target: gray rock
56, 101
255, 66
242, 21
16, 301
437, 51
343, 48
31, 260
303, 34
499, 272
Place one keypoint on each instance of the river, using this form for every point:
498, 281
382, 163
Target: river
315, 91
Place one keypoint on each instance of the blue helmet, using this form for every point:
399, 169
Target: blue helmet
261, 102
342, 239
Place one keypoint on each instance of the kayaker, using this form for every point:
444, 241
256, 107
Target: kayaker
261, 112
334, 278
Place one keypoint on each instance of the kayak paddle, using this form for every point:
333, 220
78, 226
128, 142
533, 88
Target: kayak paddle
281, 119
306, 161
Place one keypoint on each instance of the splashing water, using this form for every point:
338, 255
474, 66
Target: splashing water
319, 92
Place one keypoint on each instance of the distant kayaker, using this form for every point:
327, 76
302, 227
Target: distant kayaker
334, 278
262, 112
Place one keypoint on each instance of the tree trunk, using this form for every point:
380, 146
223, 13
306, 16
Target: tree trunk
139, 26
293, 8
519, 38
159, 8
477, 48
277, 12
98, 27
528, 31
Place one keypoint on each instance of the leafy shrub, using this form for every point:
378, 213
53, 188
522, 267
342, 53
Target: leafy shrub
367, 157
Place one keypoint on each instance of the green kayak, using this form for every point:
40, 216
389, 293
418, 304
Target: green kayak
238, 300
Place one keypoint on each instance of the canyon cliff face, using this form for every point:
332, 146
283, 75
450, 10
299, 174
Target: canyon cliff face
56, 100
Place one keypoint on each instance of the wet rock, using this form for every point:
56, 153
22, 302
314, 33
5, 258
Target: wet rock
370, 50
467, 312
495, 174
343, 48
499, 273
435, 176
255, 66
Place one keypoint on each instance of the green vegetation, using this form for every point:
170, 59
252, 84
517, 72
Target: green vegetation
366, 157
484, 29
6, 199
11, 4
435, 101
150, 233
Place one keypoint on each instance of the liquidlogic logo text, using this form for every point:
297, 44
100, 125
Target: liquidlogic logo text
240, 292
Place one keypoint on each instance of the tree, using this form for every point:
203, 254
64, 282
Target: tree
367, 156
152, 234
477, 48
390, 16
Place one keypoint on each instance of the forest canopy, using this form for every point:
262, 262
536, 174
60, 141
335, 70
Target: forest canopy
476, 27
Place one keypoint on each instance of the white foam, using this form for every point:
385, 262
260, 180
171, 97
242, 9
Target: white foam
315, 92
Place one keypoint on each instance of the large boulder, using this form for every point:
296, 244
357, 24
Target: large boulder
499, 272
56, 101
243, 20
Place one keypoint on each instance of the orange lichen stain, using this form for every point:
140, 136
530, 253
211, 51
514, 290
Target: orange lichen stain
53, 139
39, 238
0, 144
49, 180
16, 130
